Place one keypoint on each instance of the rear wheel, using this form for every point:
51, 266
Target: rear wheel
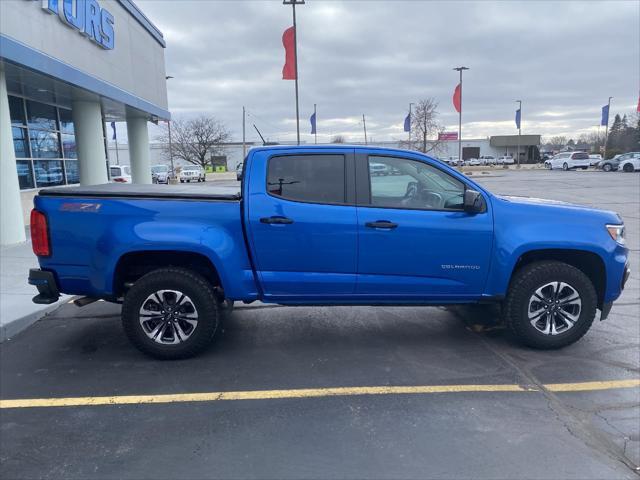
170, 313
628, 168
607, 167
550, 305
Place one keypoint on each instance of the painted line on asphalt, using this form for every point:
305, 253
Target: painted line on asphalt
307, 393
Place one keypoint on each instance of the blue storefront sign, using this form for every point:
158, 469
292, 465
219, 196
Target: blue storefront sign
87, 17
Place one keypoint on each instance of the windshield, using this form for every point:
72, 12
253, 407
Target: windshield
160, 169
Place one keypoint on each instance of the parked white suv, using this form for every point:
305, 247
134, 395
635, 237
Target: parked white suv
568, 161
505, 160
629, 162
487, 160
120, 173
191, 173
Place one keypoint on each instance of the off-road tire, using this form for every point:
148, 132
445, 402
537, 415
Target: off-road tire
533, 276
199, 290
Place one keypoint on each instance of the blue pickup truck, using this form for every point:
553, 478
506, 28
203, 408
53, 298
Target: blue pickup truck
331, 225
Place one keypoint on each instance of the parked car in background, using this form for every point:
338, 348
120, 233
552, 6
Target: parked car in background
120, 173
160, 174
568, 161
594, 160
377, 169
610, 165
630, 162
474, 162
487, 160
191, 173
505, 160
453, 161
239, 171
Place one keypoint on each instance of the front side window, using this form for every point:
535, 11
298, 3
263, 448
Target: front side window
308, 178
403, 183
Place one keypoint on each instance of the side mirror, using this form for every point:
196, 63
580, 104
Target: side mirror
474, 201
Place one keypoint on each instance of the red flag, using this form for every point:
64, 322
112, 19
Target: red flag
288, 40
457, 99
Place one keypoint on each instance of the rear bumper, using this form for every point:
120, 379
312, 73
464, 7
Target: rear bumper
46, 284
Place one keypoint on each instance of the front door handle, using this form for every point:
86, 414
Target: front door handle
381, 224
276, 220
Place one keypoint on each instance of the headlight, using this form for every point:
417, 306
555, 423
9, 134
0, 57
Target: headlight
617, 233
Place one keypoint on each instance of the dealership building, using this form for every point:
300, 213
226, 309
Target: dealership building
68, 67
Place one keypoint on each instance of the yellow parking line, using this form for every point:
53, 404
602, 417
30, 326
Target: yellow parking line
306, 393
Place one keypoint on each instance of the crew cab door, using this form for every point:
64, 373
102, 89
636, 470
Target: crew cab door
415, 240
302, 223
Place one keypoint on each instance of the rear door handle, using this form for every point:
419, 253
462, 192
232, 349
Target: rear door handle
276, 220
381, 224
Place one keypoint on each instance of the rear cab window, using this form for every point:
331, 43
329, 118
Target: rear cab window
308, 178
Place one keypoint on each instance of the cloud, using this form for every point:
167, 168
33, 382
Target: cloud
562, 59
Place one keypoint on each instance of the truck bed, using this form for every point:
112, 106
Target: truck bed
123, 190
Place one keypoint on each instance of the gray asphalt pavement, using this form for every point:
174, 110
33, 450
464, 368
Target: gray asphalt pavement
493, 434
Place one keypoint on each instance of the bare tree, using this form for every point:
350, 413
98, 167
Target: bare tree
424, 127
338, 139
556, 142
195, 141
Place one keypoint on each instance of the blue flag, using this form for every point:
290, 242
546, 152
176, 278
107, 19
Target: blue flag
407, 123
313, 124
605, 115
518, 118
113, 126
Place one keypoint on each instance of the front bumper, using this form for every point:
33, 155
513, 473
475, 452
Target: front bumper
46, 284
606, 307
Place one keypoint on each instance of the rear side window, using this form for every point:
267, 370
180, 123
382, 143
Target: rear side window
308, 178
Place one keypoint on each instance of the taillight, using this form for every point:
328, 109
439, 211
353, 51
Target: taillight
39, 234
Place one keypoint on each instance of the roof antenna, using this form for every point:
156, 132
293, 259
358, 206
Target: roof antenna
263, 140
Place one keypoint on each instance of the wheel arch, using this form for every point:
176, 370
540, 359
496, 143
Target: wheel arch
589, 263
133, 265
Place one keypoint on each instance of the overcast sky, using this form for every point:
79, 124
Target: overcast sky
563, 59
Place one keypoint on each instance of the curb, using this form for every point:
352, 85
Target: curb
15, 326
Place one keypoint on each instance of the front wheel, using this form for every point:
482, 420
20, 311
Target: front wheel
607, 167
565, 166
628, 168
550, 305
170, 313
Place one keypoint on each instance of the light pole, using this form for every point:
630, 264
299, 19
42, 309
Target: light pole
293, 4
460, 69
173, 172
519, 129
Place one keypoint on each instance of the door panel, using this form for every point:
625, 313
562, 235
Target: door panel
301, 248
435, 250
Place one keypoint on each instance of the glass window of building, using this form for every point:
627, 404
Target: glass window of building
44, 143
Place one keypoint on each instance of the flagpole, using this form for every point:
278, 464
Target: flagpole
244, 134
364, 123
606, 129
410, 121
460, 69
293, 3
315, 119
519, 129
115, 139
